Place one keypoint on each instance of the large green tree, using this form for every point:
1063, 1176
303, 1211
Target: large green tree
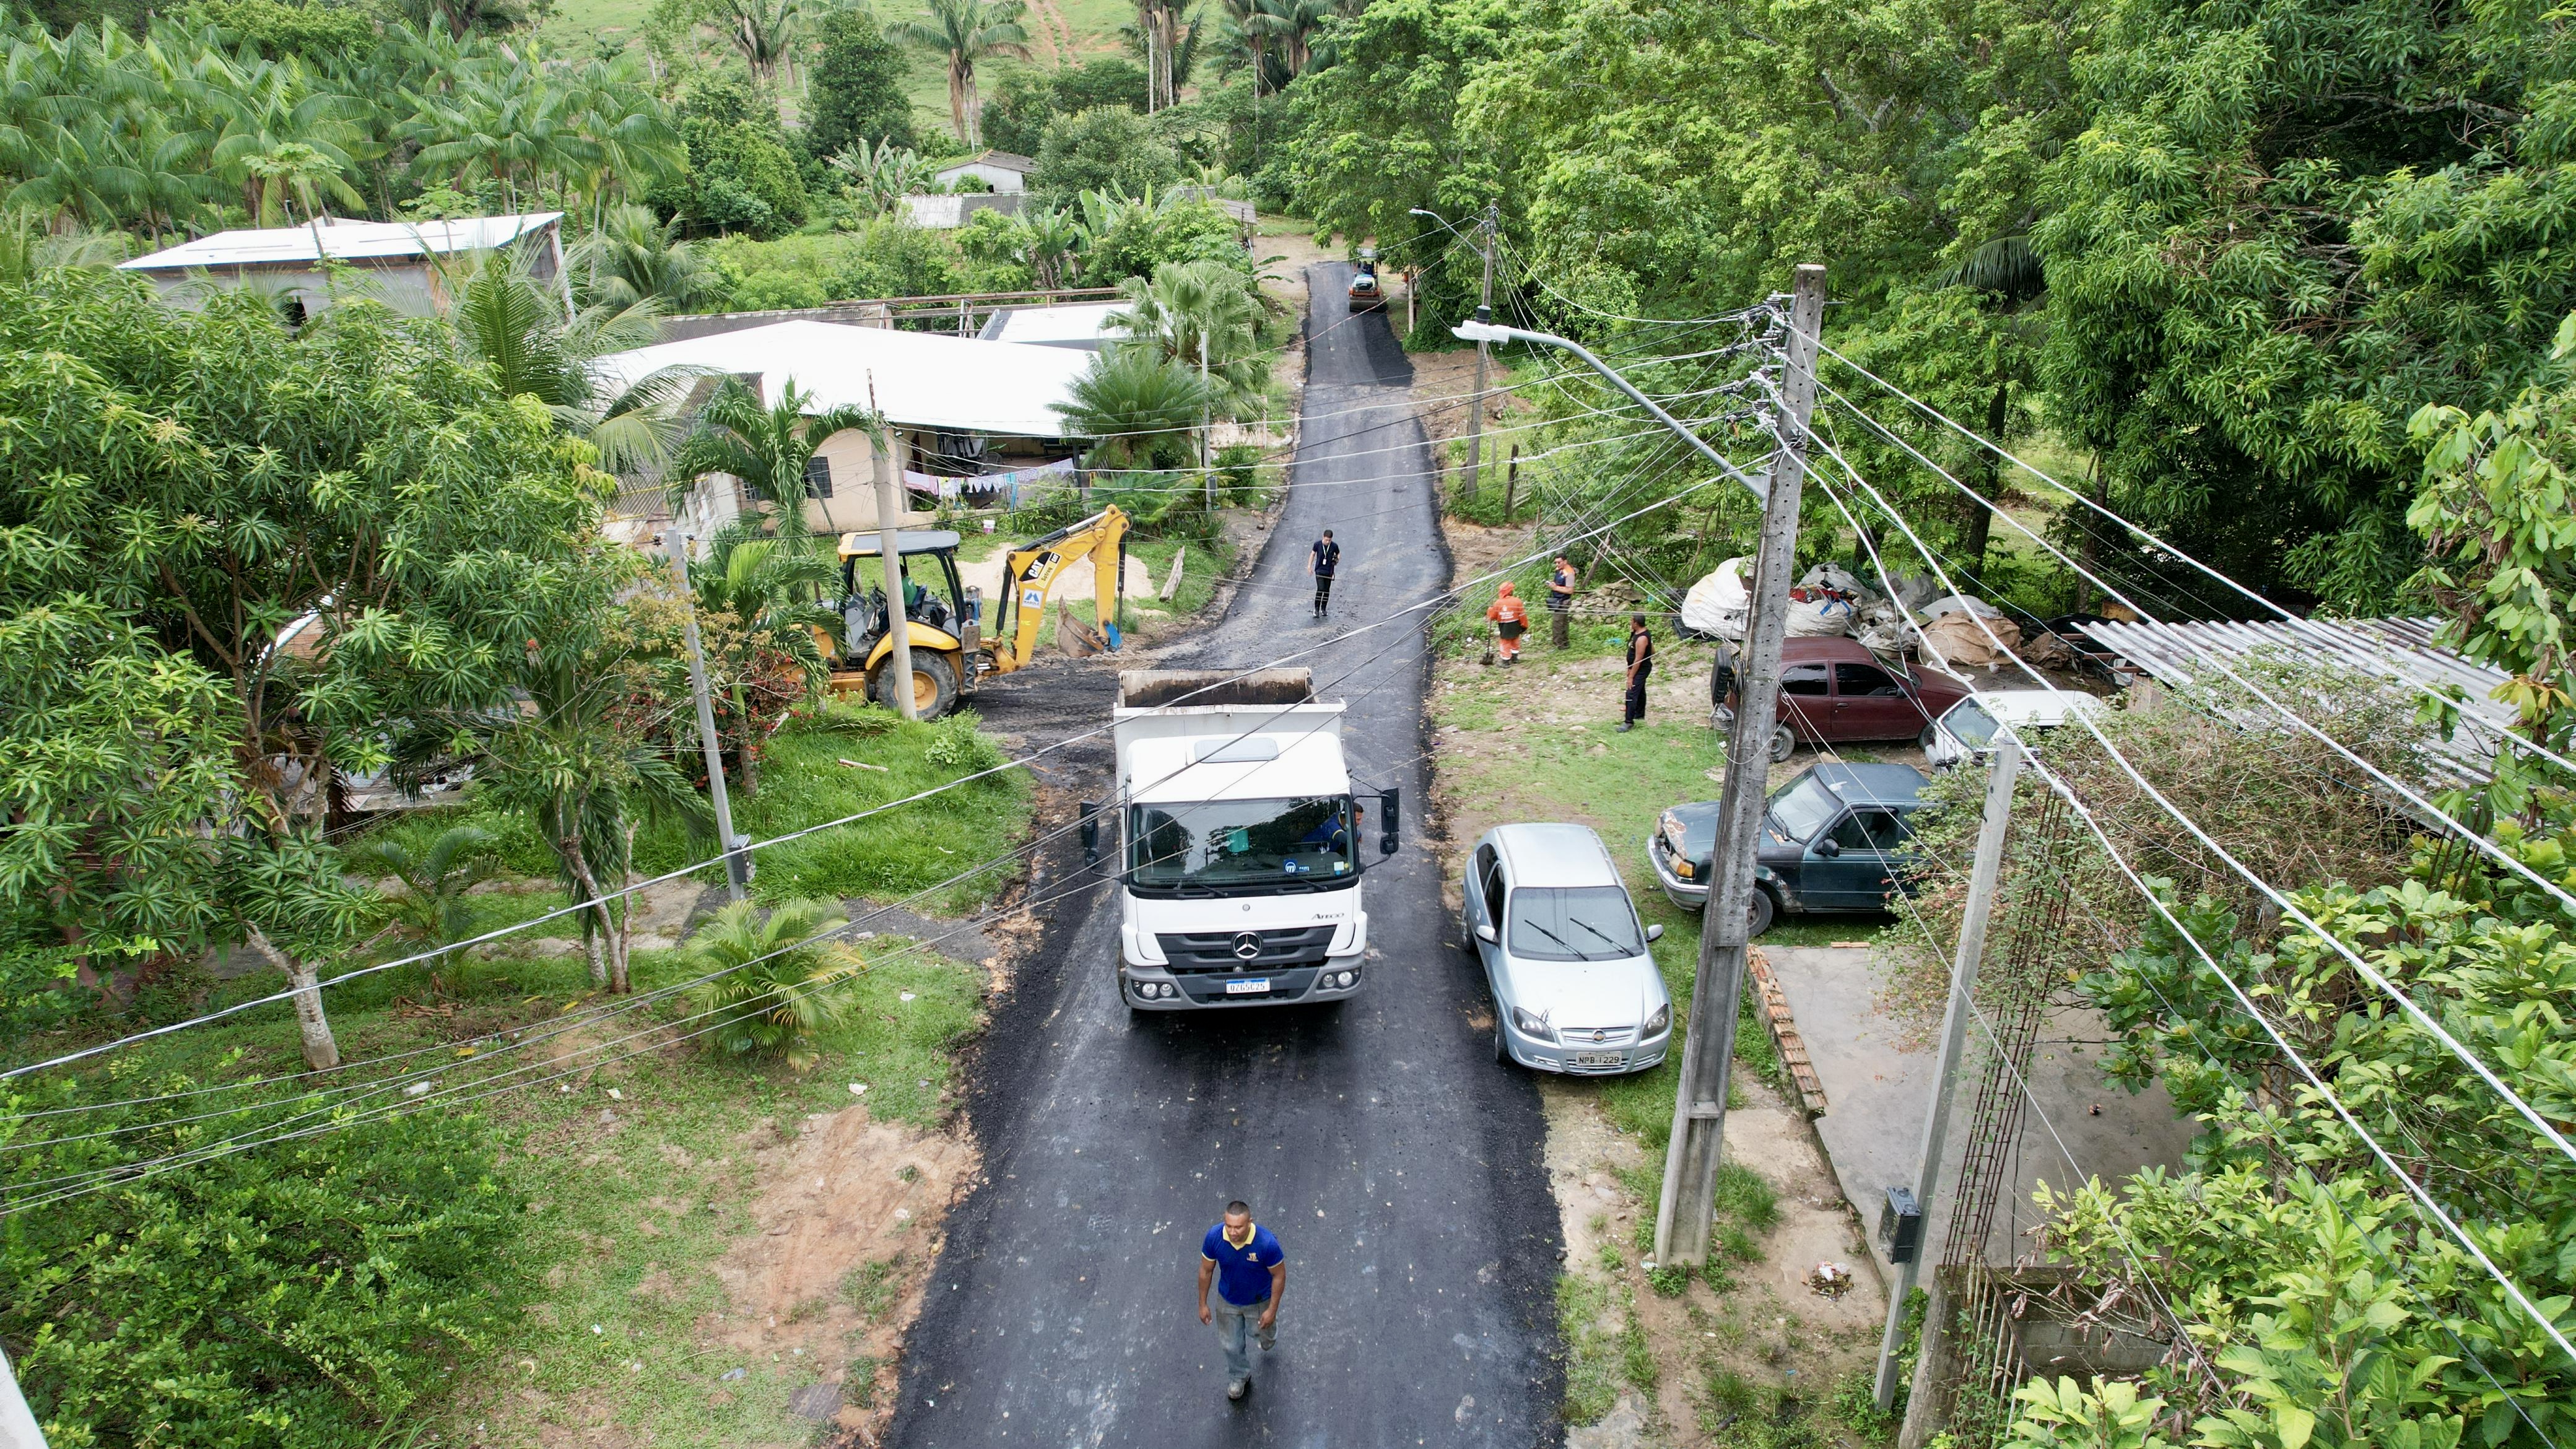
854, 88
2288, 225
301, 541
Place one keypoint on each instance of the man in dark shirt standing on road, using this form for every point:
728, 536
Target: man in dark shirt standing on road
1250, 1271
1327, 556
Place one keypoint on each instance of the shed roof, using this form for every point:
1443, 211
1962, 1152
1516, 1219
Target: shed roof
919, 379
1072, 324
1003, 159
2401, 651
351, 241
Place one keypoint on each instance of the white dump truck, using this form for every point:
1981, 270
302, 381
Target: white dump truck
1238, 842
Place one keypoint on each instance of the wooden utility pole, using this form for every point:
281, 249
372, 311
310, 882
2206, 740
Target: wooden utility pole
1476, 411
1945, 1071
1699, 1104
676, 544
889, 519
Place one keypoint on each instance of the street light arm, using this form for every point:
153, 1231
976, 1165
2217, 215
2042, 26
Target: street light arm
1480, 330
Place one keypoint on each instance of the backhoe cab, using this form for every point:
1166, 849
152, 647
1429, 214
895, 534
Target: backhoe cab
952, 649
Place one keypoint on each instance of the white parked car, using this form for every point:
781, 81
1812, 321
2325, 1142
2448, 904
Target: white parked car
1966, 730
1575, 988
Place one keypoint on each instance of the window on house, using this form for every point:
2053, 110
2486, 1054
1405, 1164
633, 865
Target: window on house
818, 476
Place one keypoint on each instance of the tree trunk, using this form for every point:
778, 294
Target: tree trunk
320, 1051
1990, 477
748, 759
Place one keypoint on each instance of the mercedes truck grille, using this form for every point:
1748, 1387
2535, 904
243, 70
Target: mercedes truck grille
1241, 950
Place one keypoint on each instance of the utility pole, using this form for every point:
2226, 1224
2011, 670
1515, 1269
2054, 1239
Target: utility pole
889, 515
1476, 413
676, 544
1699, 1104
1207, 475
1945, 1068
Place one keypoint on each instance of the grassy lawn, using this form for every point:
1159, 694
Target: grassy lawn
804, 782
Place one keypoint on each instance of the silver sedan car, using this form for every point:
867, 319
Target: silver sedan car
1575, 988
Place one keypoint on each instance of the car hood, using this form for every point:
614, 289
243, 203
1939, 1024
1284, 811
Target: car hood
1699, 827
1589, 993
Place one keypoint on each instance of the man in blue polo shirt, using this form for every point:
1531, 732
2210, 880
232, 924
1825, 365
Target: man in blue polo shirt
1250, 1271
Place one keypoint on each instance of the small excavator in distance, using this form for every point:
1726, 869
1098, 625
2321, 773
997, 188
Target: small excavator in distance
953, 649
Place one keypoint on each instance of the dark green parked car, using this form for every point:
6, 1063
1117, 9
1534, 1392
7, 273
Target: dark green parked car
1835, 839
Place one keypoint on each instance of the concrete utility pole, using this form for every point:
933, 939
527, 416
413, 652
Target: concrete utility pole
1699, 1104
1945, 1069
1476, 413
676, 544
889, 516
1207, 475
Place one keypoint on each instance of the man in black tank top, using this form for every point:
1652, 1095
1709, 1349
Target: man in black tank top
1641, 662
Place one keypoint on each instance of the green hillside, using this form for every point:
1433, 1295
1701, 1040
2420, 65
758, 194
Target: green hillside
1092, 26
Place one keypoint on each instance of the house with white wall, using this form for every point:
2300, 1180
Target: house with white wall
397, 262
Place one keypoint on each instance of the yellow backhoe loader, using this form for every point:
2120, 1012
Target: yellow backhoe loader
953, 649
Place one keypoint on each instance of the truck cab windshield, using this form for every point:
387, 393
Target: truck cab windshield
1224, 845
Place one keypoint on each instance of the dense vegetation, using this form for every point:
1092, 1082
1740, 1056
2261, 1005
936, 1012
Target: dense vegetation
2227, 248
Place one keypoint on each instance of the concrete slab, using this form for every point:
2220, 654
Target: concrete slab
1877, 1078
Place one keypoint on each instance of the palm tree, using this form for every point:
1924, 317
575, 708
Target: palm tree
634, 257
966, 32
589, 783
430, 910
765, 445
1203, 316
780, 983
1295, 24
771, 589
1140, 405
765, 31
517, 326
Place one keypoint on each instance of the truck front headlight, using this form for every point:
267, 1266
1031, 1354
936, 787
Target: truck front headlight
1532, 1025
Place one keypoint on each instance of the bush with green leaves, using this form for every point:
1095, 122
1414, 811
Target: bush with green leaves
301, 1295
960, 746
1108, 149
780, 985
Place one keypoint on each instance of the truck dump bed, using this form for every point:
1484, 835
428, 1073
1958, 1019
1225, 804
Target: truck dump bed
1207, 688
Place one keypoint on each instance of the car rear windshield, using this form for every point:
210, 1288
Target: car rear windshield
1801, 809
1970, 725
1574, 923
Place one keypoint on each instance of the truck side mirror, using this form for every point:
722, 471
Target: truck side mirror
1091, 832
1394, 800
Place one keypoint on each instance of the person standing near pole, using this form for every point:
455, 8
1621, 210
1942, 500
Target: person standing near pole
1323, 559
1510, 618
1721, 686
1641, 663
1250, 1271
1560, 600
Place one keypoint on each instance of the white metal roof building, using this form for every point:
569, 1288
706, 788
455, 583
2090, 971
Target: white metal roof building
2401, 651
1083, 325
395, 256
920, 380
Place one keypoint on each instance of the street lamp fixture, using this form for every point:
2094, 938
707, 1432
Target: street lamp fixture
1483, 328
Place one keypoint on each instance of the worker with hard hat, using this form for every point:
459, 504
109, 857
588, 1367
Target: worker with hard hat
1510, 619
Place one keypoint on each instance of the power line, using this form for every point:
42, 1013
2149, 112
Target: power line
2143, 534
2520, 1298
1431, 601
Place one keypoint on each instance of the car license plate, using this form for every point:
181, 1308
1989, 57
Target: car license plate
1597, 1059
1253, 987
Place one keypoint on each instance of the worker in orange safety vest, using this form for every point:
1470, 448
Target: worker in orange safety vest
1510, 619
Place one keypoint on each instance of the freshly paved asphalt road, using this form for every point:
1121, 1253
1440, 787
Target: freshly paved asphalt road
1396, 1161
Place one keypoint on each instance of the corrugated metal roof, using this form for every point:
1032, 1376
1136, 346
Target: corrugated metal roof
2402, 651
344, 241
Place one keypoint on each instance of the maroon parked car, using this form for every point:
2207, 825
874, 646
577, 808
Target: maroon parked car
1833, 690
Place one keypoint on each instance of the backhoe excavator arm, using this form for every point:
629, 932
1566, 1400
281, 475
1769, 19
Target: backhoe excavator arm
1032, 571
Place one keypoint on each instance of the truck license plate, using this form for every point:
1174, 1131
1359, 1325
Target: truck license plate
1596, 1059
1253, 987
